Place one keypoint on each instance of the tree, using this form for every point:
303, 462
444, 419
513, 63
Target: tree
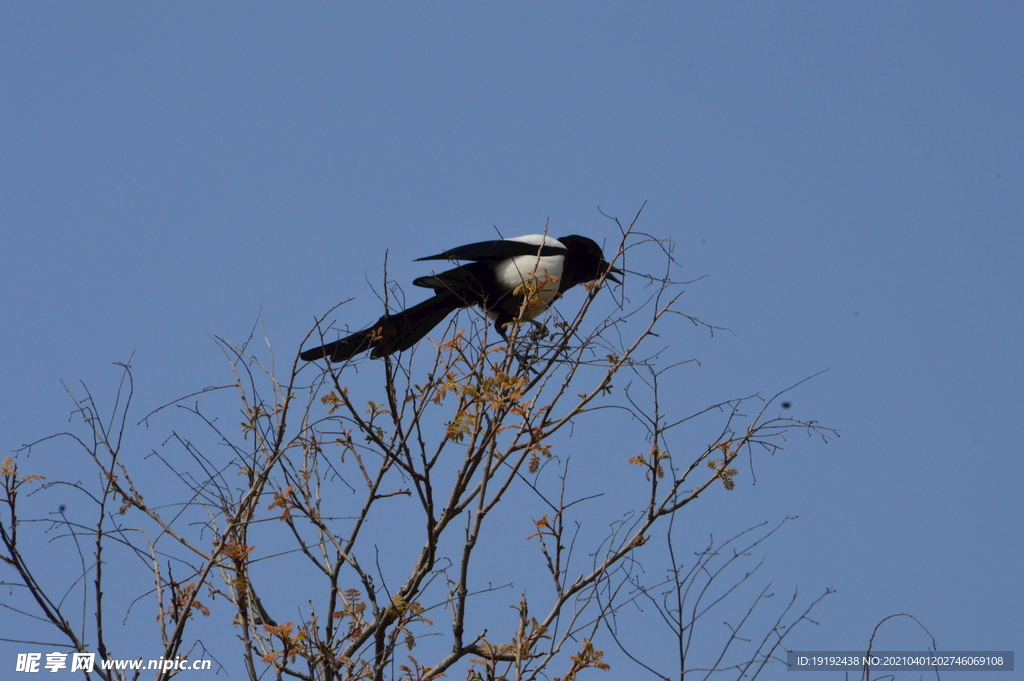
363, 534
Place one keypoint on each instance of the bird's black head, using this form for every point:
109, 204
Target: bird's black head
584, 262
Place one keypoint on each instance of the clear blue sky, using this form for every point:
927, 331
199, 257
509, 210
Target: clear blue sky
850, 176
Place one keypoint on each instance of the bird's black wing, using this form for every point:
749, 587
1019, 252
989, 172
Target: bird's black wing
468, 282
499, 249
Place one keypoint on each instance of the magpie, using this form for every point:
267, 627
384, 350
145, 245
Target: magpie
508, 278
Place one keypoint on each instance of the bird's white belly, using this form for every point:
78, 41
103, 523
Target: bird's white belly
538, 276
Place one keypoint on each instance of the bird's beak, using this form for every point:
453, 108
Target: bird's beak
610, 272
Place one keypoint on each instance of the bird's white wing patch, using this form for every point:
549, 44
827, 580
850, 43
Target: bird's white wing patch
538, 240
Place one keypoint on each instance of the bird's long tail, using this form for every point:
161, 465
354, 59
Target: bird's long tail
391, 333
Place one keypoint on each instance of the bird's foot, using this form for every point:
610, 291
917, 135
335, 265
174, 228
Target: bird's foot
525, 363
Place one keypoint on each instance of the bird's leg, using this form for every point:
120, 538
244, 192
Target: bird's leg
524, 362
539, 333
